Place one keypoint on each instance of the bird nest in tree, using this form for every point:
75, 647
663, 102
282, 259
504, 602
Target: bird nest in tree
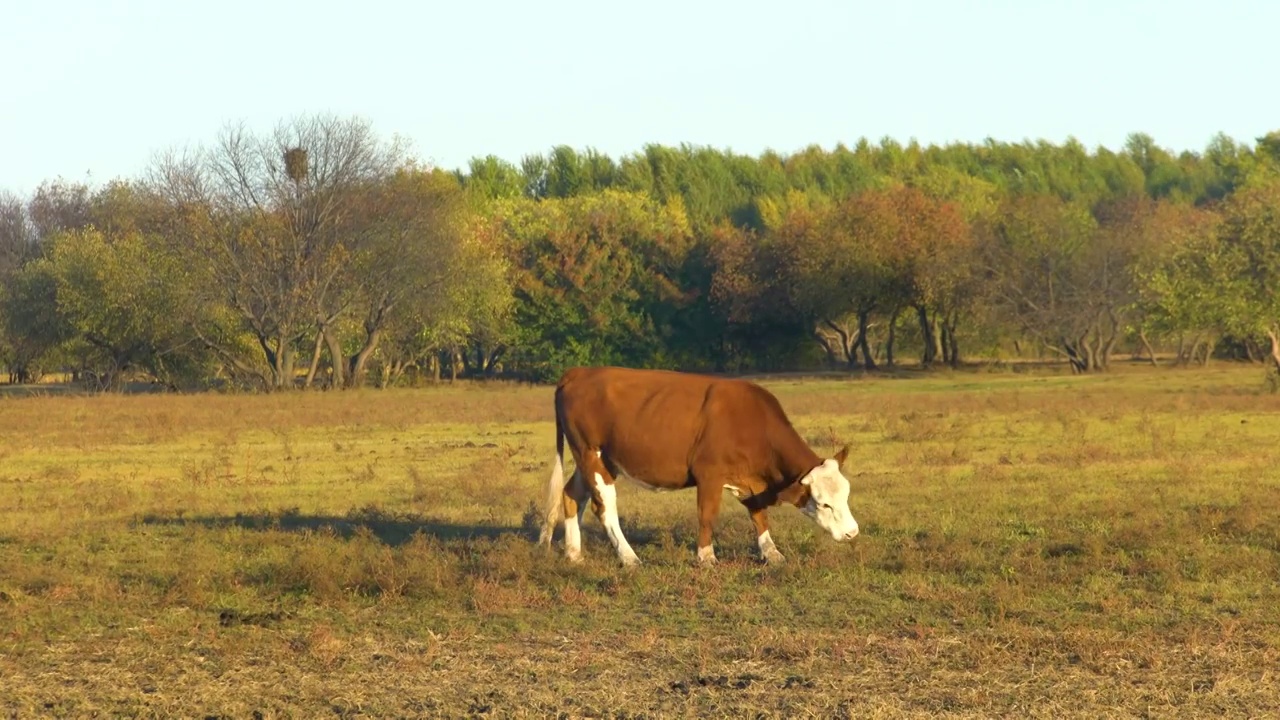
295, 164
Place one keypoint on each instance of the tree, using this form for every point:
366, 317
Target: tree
1047, 273
876, 253
750, 297
841, 262
124, 298
1250, 245
18, 239
934, 245
592, 276
411, 264
491, 178
269, 224
1185, 279
33, 328
59, 206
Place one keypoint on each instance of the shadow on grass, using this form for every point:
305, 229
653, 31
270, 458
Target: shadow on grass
393, 530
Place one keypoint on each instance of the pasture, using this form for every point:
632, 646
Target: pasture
1033, 545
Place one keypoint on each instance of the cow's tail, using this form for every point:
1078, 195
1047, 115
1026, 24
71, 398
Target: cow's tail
555, 486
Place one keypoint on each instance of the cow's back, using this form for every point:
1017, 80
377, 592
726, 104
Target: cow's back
653, 424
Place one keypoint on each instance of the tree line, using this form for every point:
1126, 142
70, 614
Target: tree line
322, 255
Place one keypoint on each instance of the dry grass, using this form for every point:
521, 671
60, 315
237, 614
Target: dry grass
1033, 546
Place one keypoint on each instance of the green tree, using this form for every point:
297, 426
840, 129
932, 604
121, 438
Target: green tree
593, 274
1250, 243
1185, 279
126, 298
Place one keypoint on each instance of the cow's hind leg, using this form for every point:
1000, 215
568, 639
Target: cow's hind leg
708, 509
576, 495
604, 492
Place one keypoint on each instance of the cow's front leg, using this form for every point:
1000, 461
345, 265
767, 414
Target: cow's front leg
708, 509
607, 495
768, 550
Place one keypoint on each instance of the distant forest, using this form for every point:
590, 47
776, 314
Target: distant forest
323, 255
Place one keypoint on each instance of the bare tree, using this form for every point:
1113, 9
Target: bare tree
1061, 279
59, 206
269, 223
17, 234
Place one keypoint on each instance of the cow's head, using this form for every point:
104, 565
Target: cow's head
828, 498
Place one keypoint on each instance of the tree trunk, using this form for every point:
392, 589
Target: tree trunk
1109, 343
848, 342
491, 359
360, 360
926, 337
391, 372
1194, 352
952, 343
281, 359
870, 363
888, 344
1251, 350
337, 359
315, 359
273, 362
287, 367
1209, 345
1075, 357
1146, 345
1273, 367
827, 348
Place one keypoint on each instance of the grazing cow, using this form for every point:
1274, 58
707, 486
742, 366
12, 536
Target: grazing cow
670, 430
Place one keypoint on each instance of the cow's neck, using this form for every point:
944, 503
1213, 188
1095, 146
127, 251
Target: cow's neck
794, 456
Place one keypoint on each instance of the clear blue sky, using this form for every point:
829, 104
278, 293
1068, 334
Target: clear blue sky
100, 85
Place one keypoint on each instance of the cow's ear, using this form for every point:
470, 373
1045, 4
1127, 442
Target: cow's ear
840, 456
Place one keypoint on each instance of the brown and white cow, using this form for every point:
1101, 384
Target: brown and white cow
670, 430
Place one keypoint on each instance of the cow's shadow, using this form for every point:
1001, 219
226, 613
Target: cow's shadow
388, 529
391, 529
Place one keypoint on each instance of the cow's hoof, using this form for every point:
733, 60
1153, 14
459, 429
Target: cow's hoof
774, 558
574, 559
630, 561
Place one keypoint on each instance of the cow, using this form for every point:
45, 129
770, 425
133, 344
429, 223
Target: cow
671, 430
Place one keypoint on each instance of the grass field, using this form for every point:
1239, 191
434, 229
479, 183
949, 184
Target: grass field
1033, 545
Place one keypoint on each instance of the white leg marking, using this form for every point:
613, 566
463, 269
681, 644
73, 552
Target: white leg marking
737, 491
707, 555
609, 498
572, 539
768, 549
573, 523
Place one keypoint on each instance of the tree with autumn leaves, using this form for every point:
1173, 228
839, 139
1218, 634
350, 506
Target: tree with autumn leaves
845, 269
319, 254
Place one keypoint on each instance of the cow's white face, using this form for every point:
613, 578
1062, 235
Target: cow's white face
829, 500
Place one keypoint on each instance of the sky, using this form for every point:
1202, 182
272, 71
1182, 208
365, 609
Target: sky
93, 89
